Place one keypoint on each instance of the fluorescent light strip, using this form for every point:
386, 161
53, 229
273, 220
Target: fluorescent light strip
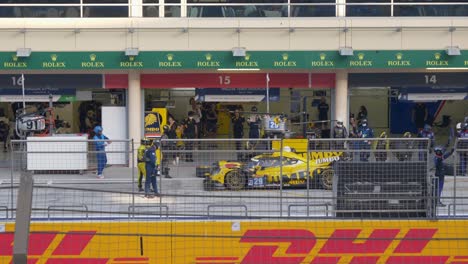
449, 69
239, 69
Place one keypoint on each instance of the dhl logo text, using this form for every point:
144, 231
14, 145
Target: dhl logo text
343, 243
274, 246
68, 250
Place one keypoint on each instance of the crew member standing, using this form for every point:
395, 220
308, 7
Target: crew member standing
382, 144
141, 162
238, 130
339, 131
166, 144
323, 112
190, 133
170, 131
151, 170
254, 124
101, 143
365, 132
419, 115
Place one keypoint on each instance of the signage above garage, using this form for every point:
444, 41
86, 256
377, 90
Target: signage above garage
223, 60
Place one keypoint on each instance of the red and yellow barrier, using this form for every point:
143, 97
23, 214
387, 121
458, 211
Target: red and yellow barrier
245, 242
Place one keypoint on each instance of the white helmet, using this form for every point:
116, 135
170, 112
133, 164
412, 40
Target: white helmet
458, 126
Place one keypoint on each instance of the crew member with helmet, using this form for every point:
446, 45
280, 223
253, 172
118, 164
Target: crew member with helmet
151, 167
458, 129
403, 144
101, 143
145, 143
382, 144
364, 131
339, 131
426, 133
439, 158
254, 123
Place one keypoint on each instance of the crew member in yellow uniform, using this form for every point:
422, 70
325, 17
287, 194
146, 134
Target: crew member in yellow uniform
145, 143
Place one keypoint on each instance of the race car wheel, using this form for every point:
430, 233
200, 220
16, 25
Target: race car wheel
326, 179
234, 180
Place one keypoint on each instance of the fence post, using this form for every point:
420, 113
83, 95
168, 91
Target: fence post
12, 168
433, 182
23, 218
308, 175
455, 172
132, 162
281, 177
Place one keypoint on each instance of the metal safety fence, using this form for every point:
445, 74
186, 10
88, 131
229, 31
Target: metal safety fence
202, 184
277, 178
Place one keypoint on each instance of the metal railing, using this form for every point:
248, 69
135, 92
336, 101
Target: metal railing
349, 177
370, 180
227, 9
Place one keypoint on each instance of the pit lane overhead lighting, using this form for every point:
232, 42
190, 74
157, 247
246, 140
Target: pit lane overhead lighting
239, 52
453, 51
23, 52
131, 52
346, 51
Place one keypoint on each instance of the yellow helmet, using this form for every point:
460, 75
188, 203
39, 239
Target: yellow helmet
407, 135
145, 142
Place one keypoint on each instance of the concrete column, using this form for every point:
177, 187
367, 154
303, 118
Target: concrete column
340, 8
134, 108
136, 8
341, 97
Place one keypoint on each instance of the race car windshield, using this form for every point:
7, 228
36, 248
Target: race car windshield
269, 162
251, 164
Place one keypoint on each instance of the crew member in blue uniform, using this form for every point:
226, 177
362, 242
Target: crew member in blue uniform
151, 170
365, 131
101, 143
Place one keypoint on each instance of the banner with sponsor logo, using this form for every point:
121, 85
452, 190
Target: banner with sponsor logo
426, 94
37, 98
236, 94
214, 60
155, 120
315, 242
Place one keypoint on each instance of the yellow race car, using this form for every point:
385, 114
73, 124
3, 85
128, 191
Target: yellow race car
264, 171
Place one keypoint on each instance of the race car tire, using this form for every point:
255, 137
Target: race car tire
326, 179
234, 180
